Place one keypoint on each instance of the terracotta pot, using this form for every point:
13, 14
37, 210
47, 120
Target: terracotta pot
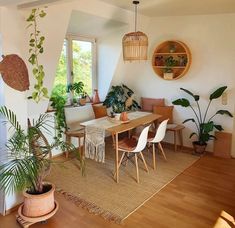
124, 116
96, 98
39, 205
82, 101
198, 148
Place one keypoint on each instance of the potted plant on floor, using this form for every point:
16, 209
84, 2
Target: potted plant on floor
120, 99
27, 165
204, 125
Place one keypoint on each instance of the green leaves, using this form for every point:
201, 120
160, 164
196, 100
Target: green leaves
36, 48
196, 97
183, 102
217, 93
224, 112
203, 124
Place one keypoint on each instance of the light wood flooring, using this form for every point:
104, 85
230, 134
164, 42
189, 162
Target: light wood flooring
195, 198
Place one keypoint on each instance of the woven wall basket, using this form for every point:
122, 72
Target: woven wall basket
14, 72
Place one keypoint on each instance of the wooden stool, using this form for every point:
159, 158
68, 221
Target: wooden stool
76, 134
176, 129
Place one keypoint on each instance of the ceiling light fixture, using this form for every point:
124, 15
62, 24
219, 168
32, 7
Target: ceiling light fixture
135, 44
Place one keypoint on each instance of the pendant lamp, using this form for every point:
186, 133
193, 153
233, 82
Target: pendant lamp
135, 44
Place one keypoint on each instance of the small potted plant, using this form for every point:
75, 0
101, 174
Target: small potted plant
120, 99
169, 63
82, 100
204, 125
78, 89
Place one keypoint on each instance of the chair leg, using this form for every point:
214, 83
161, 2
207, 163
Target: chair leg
137, 168
163, 153
154, 157
175, 142
120, 162
142, 156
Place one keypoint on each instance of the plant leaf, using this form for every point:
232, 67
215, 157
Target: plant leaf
224, 112
217, 93
218, 127
196, 97
182, 101
192, 134
191, 119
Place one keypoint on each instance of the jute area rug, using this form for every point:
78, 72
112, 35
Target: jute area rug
101, 195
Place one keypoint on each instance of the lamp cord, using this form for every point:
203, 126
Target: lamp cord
135, 17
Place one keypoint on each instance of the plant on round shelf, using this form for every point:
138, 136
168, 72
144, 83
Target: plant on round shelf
169, 63
120, 99
204, 125
35, 49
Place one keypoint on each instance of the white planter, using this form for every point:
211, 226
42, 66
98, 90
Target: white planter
168, 76
117, 116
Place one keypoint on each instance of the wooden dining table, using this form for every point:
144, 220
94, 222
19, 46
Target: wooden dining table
147, 118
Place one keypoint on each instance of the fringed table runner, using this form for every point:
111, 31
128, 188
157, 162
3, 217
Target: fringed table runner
94, 143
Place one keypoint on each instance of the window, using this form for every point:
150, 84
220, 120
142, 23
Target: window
76, 63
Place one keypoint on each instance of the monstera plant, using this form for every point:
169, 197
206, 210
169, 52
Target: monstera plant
204, 124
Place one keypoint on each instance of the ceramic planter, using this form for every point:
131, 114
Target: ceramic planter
198, 148
82, 101
39, 205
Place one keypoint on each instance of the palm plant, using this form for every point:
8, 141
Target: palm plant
204, 125
29, 155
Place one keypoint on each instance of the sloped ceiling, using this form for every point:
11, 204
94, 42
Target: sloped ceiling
91, 25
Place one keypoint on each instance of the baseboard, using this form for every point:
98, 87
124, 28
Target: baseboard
13, 209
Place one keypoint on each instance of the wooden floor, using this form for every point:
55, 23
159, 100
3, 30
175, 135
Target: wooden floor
195, 198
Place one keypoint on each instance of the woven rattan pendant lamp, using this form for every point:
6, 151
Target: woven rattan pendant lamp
135, 44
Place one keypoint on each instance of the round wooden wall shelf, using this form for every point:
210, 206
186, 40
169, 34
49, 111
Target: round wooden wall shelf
171, 60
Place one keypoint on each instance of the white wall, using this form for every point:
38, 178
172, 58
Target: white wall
12, 34
211, 41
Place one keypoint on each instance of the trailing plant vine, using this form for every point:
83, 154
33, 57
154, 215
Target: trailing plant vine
36, 48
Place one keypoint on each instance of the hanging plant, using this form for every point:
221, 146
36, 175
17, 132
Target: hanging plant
35, 49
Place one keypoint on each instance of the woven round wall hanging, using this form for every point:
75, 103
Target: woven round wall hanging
14, 72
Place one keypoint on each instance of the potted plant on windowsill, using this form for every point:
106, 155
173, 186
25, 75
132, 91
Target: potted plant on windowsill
204, 126
120, 99
78, 89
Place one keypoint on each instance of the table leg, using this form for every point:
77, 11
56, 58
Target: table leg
175, 141
181, 138
116, 164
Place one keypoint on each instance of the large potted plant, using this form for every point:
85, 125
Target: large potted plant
27, 165
204, 125
120, 99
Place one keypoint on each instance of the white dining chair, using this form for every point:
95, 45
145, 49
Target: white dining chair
132, 146
159, 136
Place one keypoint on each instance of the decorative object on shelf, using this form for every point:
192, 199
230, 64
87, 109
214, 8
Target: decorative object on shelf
172, 48
96, 98
204, 125
171, 60
135, 44
35, 49
14, 72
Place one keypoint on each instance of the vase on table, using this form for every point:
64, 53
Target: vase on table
96, 98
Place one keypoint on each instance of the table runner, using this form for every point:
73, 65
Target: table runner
95, 134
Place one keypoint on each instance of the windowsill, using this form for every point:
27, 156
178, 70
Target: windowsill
72, 106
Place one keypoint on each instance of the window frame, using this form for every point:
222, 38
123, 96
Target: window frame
69, 39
